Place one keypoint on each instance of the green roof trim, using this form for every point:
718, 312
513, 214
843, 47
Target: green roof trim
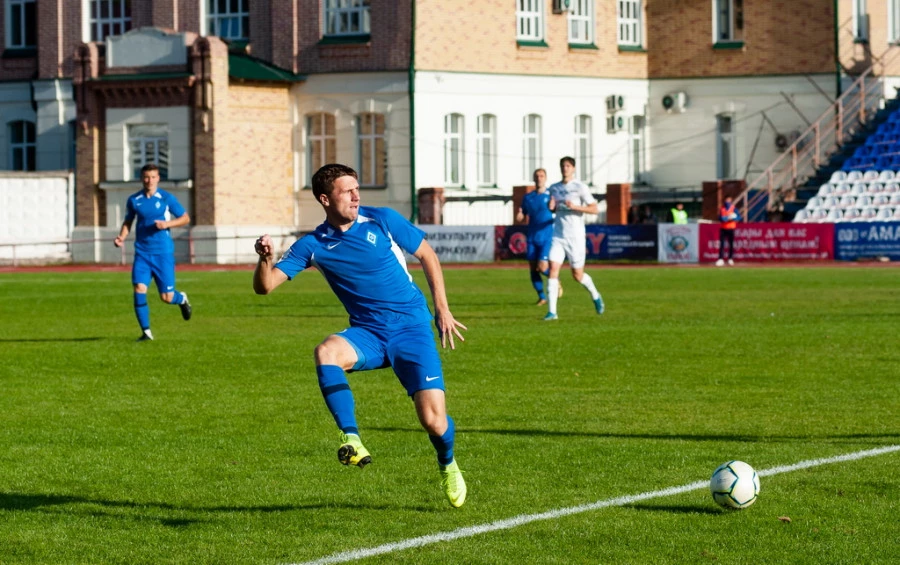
245, 67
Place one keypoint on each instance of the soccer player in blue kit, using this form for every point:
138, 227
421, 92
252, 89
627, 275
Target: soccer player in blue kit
154, 252
536, 207
358, 249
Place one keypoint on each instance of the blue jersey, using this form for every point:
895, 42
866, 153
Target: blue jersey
366, 268
160, 206
536, 205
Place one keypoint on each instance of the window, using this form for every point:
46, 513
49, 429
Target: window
581, 22
73, 143
725, 147
728, 21
531, 145
628, 19
148, 143
893, 21
486, 150
530, 20
346, 17
228, 19
584, 149
109, 17
22, 146
21, 24
321, 141
372, 150
860, 21
453, 150
636, 130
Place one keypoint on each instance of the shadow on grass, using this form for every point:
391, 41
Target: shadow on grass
49, 339
875, 438
675, 509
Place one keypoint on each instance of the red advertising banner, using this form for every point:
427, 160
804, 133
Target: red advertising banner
771, 242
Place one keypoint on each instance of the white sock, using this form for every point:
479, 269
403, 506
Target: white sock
588, 283
552, 294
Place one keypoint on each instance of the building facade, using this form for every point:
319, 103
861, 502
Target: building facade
240, 102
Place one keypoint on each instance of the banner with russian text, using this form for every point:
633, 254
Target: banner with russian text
867, 240
678, 243
461, 244
602, 242
771, 242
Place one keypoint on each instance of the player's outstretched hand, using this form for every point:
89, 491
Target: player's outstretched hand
264, 246
118, 242
448, 327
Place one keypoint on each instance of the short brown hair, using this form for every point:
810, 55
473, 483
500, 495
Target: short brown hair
323, 180
567, 158
149, 167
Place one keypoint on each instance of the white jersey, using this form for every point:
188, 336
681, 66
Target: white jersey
569, 223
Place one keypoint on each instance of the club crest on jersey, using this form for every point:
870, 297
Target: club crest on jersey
371, 237
157, 205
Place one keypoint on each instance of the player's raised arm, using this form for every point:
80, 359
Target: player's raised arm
446, 324
266, 277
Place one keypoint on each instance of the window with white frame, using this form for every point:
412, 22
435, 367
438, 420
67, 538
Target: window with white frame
228, 19
321, 141
21, 24
454, 164
860, 21
346, 17
530, 20
486, 150
22, 145
531, 145
148, 143
636, 131
726, 151
372, 149
893, 21
728, 21
581, 22
108, 17
584, 147
629, 22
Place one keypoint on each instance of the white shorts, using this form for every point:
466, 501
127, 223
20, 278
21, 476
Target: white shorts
573, 248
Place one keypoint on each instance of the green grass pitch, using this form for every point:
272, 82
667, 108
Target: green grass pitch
212, 443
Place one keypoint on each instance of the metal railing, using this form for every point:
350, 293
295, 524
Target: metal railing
813, 148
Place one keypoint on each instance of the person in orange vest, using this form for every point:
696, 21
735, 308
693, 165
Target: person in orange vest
729, 217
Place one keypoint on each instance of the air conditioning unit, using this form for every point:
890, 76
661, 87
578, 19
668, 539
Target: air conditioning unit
675, 102
561, 6
615, 123
614, 103
785, 140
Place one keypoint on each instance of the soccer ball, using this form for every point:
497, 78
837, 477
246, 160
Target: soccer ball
734, 485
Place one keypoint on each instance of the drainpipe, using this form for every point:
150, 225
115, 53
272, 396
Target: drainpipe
414, 214
837, 52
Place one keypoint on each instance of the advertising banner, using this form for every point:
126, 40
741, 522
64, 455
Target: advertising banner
866, 240
678, 243
771, 242
461, 244
602, 242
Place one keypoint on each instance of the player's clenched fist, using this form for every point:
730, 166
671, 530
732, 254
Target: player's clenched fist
264, 246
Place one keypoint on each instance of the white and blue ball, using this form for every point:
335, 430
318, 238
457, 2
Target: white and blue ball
734, 485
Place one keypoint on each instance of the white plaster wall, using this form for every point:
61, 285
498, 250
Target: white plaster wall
36, 209
558, 100
177, 120
682, 146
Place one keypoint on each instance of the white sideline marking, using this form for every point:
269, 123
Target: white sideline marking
523, 519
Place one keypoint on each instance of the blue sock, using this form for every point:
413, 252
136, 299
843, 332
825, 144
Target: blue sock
177, 298
338, 397
444, 444
538, 283
141, 310
546, 272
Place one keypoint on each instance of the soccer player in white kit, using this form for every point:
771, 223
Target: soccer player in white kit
570, 199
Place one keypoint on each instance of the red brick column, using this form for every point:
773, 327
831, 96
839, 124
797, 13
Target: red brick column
618, 201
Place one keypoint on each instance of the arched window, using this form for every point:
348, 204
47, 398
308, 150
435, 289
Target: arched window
22, 146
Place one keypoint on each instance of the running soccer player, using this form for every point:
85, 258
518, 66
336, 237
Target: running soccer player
154, 252
570, 199
536, 208
357, 250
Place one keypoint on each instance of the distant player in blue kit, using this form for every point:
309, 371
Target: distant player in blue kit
154, 252
359, 251
536, 208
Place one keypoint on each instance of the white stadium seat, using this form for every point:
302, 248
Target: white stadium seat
895, 199
826, 189
801, 216
870, 175
886, 175
819, 214
863, 200
892, 187
896, 215
838, 176
834, 215
854, 176
875, 187
847, 201
814, 202
881, 200
830, 202
868, 214
885, 213
852, 214
842, 189
859, 188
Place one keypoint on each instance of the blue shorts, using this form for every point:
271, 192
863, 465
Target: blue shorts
411, 352
161, 268
538, 250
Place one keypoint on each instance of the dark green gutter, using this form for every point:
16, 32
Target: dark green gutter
414, 215
837, 52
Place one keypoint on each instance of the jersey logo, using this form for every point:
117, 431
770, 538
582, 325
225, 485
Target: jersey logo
429, 379
371, 237
157, 205
333, 245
